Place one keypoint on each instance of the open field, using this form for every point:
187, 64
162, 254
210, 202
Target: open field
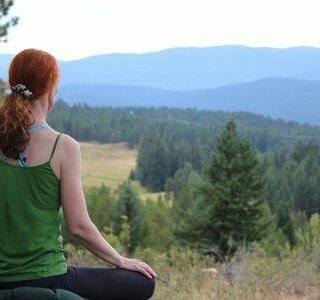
109, 164
106, 163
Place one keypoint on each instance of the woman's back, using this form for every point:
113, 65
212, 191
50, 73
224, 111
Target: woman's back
30, 213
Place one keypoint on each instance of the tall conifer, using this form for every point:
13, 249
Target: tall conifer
232, 195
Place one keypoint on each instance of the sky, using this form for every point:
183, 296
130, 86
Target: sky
73, 29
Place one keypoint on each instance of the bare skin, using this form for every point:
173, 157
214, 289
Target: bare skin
66, 164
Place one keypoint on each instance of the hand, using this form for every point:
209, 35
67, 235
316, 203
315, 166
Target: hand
137, 265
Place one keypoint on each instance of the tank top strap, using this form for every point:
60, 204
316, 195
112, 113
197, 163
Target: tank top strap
55, 145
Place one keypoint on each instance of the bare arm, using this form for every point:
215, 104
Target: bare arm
74, 205
76, 214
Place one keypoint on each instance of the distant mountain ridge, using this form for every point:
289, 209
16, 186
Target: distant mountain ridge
279, 83
195, 68
190, 68
283, 98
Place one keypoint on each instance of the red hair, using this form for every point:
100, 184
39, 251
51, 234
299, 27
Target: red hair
38, 71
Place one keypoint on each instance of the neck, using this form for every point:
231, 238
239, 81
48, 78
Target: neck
39, 110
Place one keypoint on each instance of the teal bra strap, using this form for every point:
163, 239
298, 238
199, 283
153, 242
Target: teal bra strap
22, 159
38, 126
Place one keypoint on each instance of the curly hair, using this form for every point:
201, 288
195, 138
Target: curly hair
39, 72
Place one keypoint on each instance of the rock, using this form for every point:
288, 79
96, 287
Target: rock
211, 272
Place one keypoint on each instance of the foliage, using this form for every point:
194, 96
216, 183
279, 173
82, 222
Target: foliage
156, 227
101, 205
153, 162
308, 235
5, 23
169, 138
265, 270
128, 216
292, 185
283, 261
190, 129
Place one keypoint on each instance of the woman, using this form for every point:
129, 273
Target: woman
39, 175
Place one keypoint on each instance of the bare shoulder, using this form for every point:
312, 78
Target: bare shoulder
69, 145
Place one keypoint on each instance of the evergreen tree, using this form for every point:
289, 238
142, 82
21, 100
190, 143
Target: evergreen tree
128, 209
156, 231
101, 206
153, 162
232, 196
5, 24
182, 190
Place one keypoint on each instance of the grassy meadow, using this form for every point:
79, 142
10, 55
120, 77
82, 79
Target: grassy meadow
183, 273
109, 164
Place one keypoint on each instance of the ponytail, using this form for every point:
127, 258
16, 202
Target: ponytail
15, 121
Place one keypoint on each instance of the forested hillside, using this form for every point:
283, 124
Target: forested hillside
285, 98
169, 140
130, 124
240, 191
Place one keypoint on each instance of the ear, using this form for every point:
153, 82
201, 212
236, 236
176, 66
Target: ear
51, 99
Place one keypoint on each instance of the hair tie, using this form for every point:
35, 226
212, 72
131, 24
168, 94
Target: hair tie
22, 90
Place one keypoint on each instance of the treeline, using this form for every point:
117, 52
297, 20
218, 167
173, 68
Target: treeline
292, 185
130, 124
169, 138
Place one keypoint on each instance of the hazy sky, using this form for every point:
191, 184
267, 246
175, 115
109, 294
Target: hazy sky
71, 29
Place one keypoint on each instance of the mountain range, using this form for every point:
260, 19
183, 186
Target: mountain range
281, 83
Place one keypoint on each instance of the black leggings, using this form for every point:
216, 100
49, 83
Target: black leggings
95, 283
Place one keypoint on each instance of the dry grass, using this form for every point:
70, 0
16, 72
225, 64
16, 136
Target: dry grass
109, 164
181, 276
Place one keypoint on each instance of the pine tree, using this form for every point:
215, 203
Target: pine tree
101, 206
5, 6
153, 162
156, 231
231, 211
128, 210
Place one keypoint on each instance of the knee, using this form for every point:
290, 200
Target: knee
139, 287
149, 288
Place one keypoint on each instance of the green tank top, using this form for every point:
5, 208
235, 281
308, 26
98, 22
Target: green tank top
30, 222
